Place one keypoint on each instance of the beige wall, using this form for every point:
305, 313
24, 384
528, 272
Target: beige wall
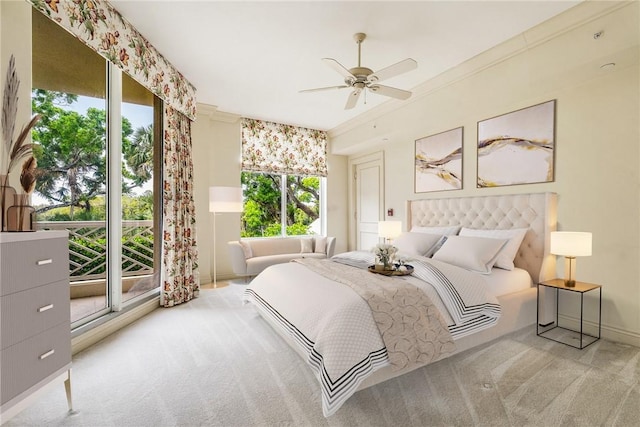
15, 38
337, 201
597, 133
216, 162
216, 144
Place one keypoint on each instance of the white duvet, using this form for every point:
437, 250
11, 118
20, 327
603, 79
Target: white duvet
334, 326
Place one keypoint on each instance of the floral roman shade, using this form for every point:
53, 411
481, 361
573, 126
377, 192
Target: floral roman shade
276, 148
180, 279
98, 25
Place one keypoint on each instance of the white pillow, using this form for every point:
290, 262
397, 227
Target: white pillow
321, 245
514, 239
449, 230
416, 244
306, 245
473, 253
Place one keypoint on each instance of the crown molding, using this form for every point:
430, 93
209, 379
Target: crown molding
581, 14
212, 113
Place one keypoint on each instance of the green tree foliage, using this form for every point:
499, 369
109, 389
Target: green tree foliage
262, 204
138, 208
303, 199
133, 208
138, 155
262, 214
71, 152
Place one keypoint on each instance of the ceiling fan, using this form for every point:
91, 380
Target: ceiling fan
360, 78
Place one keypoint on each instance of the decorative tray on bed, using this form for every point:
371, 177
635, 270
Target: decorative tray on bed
409, 270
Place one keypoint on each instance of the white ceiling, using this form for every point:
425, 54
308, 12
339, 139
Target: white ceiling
253, 58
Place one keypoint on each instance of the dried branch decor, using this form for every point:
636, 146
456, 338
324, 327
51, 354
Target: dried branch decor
9, 110
14, 149
28, 175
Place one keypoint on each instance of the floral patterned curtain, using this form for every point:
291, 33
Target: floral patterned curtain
180, 279
276, 148
98, 25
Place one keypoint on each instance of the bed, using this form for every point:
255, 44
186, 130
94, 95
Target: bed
330, 324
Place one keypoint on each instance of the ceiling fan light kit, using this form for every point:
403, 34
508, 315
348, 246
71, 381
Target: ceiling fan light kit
361, 78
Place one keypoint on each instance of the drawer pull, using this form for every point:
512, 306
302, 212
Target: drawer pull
45, 308
47, 354
45, 261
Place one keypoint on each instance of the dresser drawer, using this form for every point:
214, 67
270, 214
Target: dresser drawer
28, 362
28, 264
27, 313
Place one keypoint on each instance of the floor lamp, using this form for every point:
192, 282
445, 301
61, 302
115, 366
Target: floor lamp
222, 199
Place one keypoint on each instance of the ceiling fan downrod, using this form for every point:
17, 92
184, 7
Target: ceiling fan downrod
360, 73
359, 38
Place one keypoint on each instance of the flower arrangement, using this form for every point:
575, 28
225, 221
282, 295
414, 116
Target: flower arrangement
385, 254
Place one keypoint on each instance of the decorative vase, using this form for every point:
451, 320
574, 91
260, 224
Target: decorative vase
20, 216
7, 194
382, 263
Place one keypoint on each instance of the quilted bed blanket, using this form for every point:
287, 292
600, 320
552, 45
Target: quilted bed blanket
336, 328
412, 329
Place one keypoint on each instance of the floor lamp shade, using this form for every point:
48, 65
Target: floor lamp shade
225, 199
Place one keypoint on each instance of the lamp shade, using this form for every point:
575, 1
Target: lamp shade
225, 199
389, 229
570, 243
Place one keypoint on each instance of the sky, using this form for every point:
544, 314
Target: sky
138, 115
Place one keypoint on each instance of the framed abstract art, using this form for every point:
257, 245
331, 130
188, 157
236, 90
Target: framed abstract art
438, 162
517, 147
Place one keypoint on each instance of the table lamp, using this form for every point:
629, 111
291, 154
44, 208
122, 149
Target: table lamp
222, 199
389, 230
570, 244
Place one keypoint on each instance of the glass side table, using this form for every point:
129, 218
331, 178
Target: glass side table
567, 334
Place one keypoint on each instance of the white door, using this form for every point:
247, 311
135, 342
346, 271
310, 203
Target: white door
368, 203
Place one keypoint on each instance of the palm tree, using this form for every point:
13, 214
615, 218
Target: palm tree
138, 155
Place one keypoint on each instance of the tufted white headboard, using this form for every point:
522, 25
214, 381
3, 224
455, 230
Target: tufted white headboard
535, 211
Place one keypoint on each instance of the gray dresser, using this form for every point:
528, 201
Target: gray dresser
35, 329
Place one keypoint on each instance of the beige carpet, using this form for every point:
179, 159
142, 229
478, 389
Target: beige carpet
215, 362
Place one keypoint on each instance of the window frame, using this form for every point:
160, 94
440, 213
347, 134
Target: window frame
114, 299
322, 211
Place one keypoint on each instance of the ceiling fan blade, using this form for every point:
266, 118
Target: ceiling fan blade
318, 89
390, 91
339, 68
353, 99
393, 70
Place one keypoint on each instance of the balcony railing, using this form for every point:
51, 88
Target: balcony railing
88, 247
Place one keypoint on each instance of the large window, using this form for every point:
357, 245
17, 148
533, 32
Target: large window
280, 205
96, 148
283, 173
